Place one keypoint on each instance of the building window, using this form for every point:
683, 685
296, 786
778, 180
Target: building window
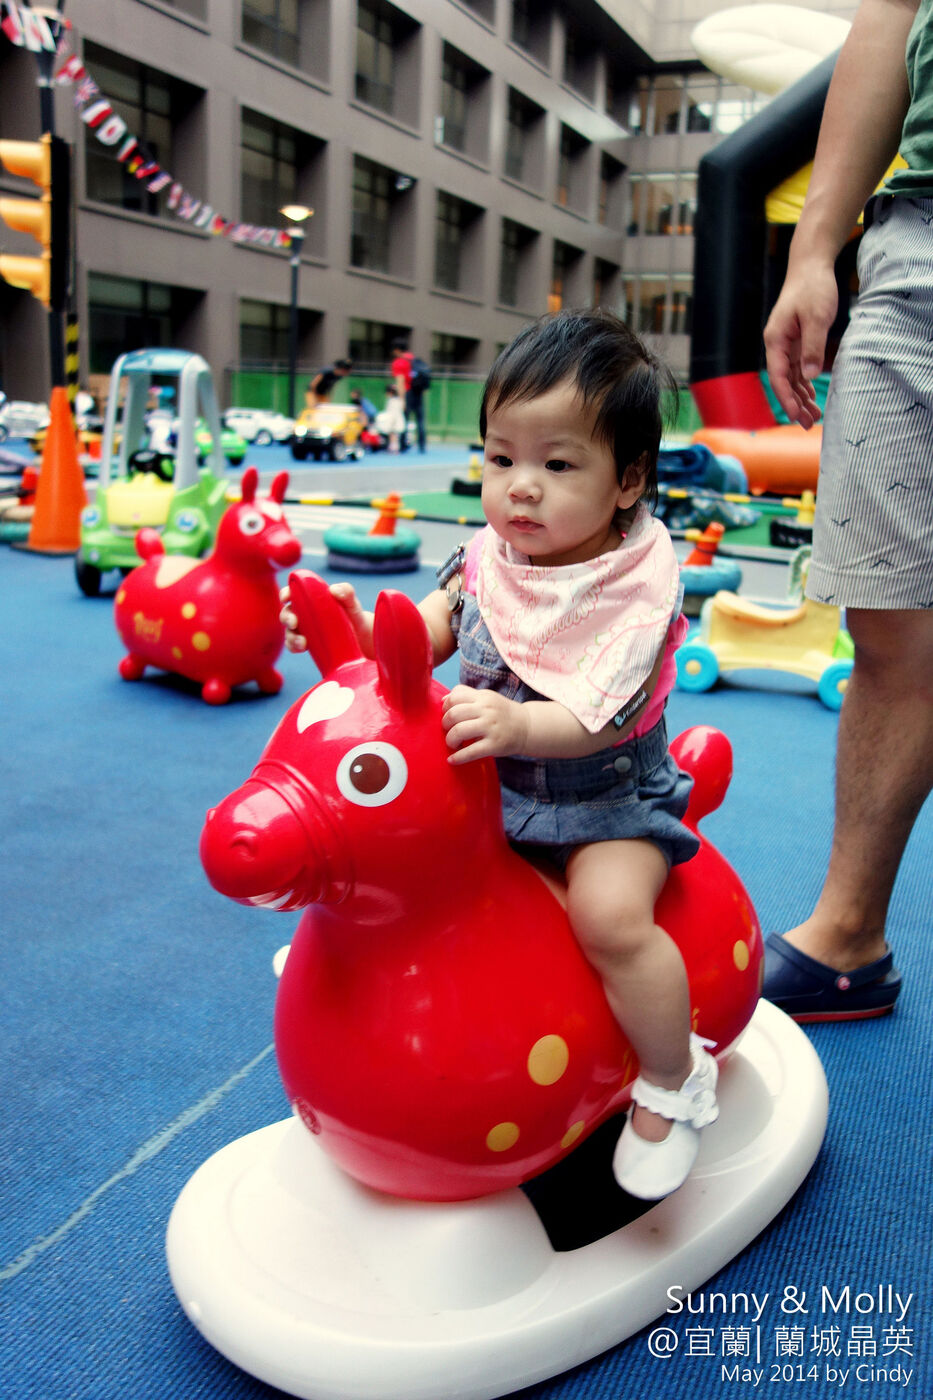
453, 353
514, 253
486, 9
662, 204
572, 189
681, 306
564, 276
687, 203
152, 104
638, 109
531, 27
375, 56
269, 164
128, 314
649, 309
605, 283
370, 344
196, 8
454, 87
272, 25
668, 100
610, 207
524, 130
279, 166
579, 63
454, 249
734, 107
464, 116
264, 329
372, 203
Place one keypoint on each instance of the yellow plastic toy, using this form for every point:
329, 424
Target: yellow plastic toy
799, 635
329, 430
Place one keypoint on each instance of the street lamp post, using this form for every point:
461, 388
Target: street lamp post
296, 215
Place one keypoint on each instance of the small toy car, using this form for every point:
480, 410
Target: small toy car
258, 425
735, 634
329, 430
140, 486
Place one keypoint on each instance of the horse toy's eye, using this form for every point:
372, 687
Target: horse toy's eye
251, 522
372, 774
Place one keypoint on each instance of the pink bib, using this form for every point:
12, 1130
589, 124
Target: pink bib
585, 635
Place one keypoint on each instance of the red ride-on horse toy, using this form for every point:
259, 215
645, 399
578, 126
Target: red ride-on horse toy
442, 1041
214, 620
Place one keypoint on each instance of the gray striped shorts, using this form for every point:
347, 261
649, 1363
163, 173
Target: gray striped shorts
873, 535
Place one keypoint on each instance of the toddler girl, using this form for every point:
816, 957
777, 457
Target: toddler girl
566, 610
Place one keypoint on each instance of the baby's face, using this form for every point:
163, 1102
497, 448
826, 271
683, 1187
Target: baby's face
550, 489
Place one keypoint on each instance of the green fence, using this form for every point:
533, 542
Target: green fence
451, 410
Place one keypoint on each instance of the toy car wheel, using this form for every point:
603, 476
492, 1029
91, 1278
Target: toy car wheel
236, 459
300, 451
89, 577
337, 450
697, 667
263, 438
833, 682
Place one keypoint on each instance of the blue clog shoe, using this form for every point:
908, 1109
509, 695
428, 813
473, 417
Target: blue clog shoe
810, 991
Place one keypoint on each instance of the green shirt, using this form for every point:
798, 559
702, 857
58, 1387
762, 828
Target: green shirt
917, 136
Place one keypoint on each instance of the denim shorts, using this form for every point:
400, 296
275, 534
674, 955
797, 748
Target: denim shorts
633, 791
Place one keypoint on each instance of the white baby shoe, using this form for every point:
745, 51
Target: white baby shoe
652, 1170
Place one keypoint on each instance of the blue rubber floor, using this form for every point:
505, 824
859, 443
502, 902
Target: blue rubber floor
135, 1034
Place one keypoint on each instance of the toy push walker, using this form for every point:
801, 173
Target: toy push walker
444, 1042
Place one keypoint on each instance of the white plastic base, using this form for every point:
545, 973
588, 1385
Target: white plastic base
331, 1291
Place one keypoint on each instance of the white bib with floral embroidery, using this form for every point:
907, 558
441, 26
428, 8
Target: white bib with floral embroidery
586, 635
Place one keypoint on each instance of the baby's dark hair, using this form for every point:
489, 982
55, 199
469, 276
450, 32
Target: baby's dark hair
615, 372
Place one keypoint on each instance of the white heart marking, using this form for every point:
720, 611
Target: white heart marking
325, 701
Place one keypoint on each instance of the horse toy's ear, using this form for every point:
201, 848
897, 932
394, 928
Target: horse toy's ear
279, 487
404, 654
249, 484
321, 619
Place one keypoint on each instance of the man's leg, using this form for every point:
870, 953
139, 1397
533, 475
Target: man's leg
884, 771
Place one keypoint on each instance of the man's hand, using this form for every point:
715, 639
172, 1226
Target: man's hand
482, 724
795, 338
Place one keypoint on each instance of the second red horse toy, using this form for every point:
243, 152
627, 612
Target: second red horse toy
213, 620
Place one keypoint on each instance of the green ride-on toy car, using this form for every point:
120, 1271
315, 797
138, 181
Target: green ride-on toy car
139, 486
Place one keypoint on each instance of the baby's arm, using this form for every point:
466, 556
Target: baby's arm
433, 609
484, 724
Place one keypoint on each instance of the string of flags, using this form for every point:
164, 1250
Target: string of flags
29, 29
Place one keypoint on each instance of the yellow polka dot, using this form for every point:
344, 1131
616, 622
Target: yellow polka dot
200, 641
176, 652
502, 1137
572, 1133
547, 1059
740, 955
121, 595
188, 610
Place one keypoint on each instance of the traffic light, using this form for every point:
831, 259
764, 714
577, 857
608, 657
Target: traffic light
47, 163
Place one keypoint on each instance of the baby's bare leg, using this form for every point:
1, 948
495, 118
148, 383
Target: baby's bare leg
612, 889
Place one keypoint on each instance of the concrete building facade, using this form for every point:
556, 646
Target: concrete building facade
470, 164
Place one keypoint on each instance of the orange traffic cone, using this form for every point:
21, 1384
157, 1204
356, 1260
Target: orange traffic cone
60, 494
705, 543
389, 512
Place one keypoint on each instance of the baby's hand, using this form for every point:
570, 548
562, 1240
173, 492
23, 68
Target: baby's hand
294, 640
481, 724
345, 594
